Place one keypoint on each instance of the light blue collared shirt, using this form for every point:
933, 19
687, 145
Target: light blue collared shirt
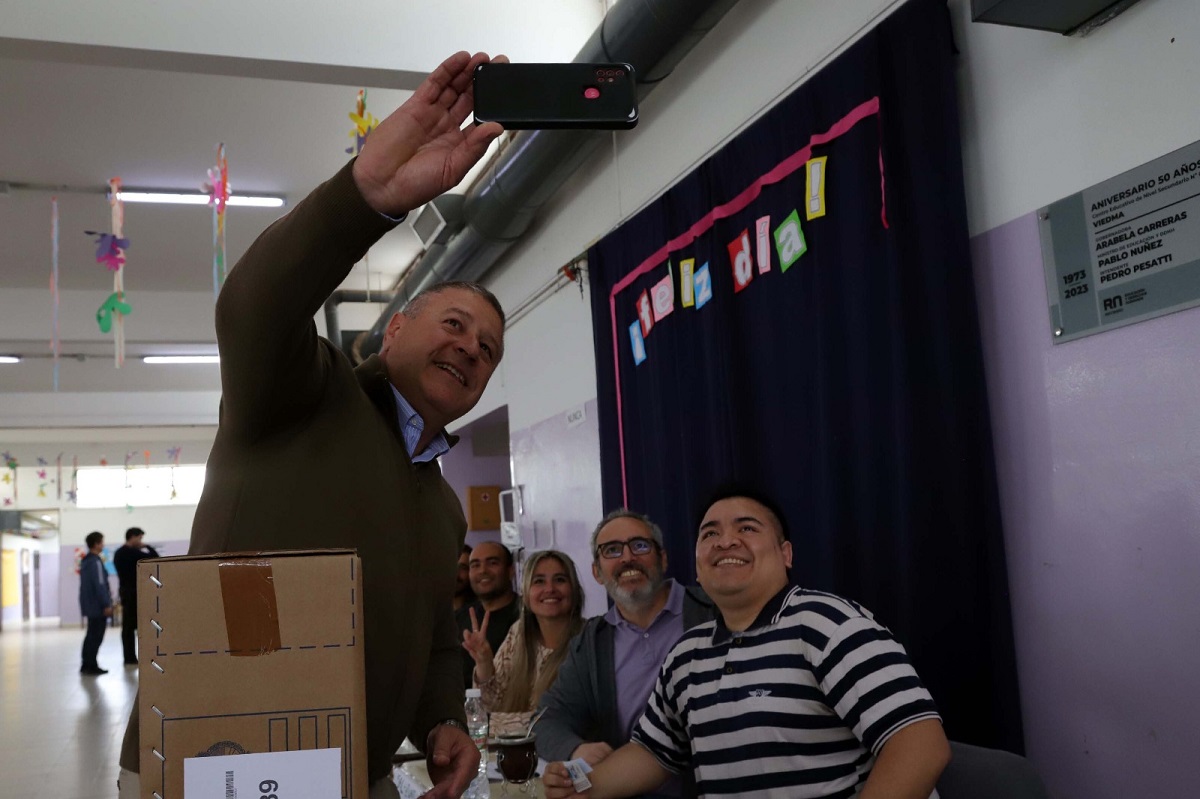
412, 426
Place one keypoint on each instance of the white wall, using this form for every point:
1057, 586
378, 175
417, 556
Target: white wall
1043, 116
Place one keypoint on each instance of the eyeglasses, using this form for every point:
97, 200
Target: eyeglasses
611, 550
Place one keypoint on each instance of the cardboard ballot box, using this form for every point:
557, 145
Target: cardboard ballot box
251, 653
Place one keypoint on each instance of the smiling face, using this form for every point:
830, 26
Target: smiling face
631, 580
550, 590
740, 554
491, 572
442, 355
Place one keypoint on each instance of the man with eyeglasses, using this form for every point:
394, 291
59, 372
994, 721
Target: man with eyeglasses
788, 693
610, 669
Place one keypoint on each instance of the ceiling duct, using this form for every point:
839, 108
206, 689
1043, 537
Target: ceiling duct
653, 36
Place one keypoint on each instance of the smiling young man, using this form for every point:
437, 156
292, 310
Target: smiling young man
610, 668
490, 572
787, 693
313, 452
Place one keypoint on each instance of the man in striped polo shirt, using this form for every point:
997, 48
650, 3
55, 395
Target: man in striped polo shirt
788, 693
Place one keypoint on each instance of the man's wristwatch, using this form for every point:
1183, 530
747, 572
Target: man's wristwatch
451, 723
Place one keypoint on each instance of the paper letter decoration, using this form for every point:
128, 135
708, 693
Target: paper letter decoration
739, 258
638, 343
814, 204
789, 241
663, 296
645, 313
762, 227
687, 286
703, 286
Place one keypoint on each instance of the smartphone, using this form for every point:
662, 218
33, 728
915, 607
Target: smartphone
572, 95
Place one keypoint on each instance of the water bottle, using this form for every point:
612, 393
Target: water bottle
477, 727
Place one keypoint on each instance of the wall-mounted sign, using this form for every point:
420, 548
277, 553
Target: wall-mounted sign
1125, 250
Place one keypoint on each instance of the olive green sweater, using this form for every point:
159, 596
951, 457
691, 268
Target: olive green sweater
309, 454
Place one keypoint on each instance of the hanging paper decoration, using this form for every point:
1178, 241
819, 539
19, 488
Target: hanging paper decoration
218, 191
110, 251
73, 494
173, 454
113, 305
55, 342
58, 474
11, 463
364, 123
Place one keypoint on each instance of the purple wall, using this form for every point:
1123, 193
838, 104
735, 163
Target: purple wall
1098, 460
558, 469
463, 468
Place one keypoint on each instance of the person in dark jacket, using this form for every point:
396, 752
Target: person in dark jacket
95, 602
125, 561
610, 668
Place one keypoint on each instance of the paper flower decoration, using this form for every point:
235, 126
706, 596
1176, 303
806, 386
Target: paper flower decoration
114, 304
364, 123
110, 249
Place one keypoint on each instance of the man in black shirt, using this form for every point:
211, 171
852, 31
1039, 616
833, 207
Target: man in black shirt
125, 562
491, 575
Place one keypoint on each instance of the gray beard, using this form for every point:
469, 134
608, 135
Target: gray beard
637, 598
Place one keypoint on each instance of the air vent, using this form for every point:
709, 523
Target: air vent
1068, 17
436, 221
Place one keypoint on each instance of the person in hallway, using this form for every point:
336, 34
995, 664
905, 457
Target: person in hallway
610, 668
293, 406
125, 562
95, 602
463, 595
513, 679
788, 692
491, 572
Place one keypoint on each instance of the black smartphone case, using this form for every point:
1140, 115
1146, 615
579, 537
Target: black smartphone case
540, 96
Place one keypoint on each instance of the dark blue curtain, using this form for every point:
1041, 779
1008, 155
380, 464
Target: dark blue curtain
850, 387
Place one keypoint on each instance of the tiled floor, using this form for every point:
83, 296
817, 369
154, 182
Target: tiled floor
60, 732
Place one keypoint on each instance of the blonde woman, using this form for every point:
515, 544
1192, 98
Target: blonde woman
514, 679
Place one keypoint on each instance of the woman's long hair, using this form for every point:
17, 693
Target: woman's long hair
527, 687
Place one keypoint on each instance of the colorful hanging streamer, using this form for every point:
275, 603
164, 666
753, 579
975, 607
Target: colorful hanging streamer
364, 123
11, 463
55, 342
173, 454
218, 191
110, 251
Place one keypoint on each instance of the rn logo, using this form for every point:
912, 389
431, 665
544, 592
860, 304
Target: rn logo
1113, 304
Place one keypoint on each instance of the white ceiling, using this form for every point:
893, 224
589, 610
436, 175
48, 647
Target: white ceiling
146, 93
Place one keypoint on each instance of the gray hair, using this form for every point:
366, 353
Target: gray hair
625, 513
417, 303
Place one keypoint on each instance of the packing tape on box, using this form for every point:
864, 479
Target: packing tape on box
251, 611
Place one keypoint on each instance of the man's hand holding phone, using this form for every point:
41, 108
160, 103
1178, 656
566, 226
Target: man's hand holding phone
572, 95
421, 151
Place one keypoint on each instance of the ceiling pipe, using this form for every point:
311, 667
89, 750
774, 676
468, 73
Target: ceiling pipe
653, 36
333, 330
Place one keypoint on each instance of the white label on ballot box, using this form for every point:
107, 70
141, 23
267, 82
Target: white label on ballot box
307, 774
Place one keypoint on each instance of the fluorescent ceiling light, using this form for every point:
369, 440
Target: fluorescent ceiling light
182, 359
196, 198
9, 359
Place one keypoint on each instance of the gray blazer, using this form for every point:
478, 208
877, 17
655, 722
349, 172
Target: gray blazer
581, 705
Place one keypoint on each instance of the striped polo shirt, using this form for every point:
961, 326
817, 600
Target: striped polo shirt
798, 705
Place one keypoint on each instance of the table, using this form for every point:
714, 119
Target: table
413, 780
